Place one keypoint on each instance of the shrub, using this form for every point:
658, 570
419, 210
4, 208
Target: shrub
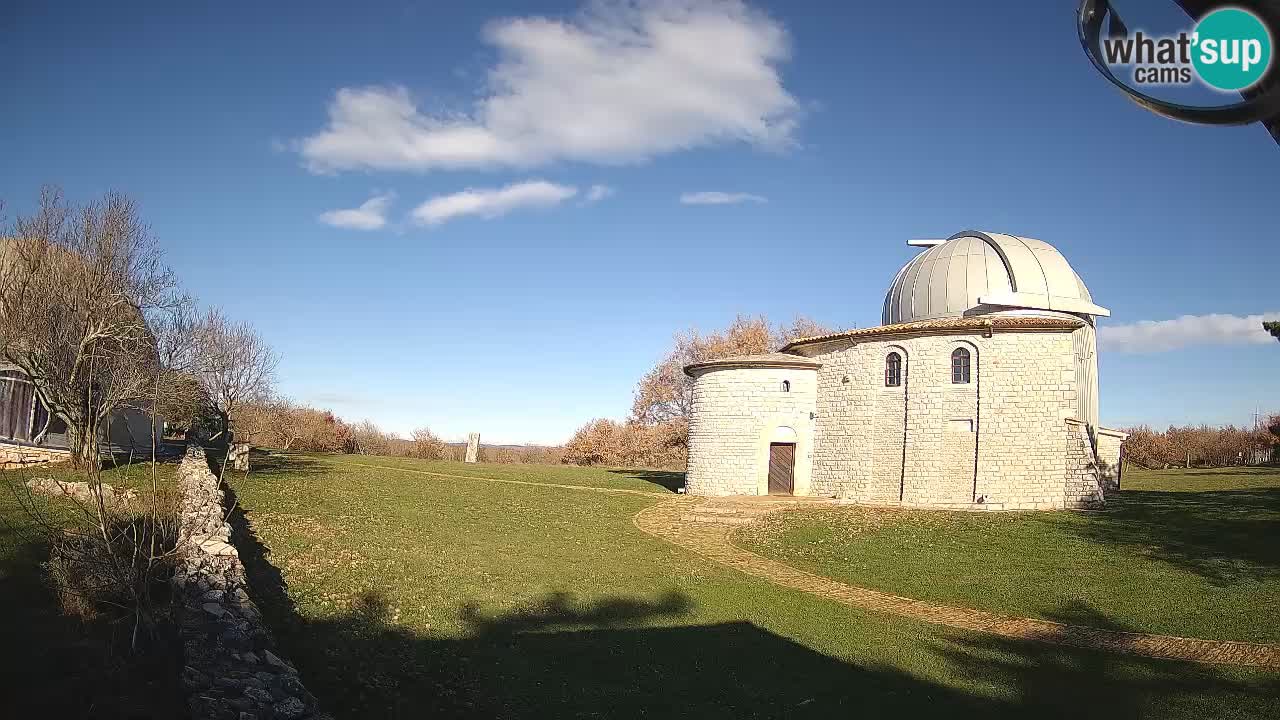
1201, 446
127, 570
631, 444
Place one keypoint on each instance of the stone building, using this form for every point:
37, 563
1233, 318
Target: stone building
30, 434
979, 390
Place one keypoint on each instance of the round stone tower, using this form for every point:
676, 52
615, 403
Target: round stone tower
751, 429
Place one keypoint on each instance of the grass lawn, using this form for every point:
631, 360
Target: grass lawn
416, 595
1194, 553
50, 665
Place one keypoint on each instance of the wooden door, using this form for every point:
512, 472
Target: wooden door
782, 463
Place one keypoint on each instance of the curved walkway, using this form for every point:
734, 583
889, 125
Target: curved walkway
704, 526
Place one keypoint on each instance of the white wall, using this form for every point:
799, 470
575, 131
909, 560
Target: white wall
737, 412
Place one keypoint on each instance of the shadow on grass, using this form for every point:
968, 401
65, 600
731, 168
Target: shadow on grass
1053, 680
268, 464
669, 479
54, 666
605, 658
1225, 536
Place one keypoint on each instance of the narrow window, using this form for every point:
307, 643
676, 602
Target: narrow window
893, 370
786, 386
960, 366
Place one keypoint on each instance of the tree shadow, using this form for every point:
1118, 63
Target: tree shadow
670, 480
1225, 536
268, 464
642, 657
56, 666
1053, 677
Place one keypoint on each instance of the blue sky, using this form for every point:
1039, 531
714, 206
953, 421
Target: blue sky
534, 302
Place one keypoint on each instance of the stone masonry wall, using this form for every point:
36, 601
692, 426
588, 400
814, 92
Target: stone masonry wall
1028, 391
19, 456
1082, 488
231, 670
735, 412
942, 423
858, 434
1109, 460
888, 432
1008, 421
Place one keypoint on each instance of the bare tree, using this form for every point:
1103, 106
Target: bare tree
78, 286
665, 393
236, 365
427, 445
82, 293
369, 439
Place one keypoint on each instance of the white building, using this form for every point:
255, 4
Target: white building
979, 390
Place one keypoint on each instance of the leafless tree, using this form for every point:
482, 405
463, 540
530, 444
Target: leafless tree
427, 445
83, 290
78, 287
369, 439
236, 366
665, 393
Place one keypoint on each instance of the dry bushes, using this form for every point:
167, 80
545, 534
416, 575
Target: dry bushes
110, 550
657, 433
1202, 446
665, 393
517, 454
284, 424
605, 442
93, 576
426, 445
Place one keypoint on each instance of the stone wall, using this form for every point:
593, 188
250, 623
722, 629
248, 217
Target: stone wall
13, 457
996, 441
737, 412
1082, 488
1110, 461
231, 669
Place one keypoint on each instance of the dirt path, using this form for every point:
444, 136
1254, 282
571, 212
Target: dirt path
704, 525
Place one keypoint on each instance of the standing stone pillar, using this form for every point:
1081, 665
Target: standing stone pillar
473, 447
238, 454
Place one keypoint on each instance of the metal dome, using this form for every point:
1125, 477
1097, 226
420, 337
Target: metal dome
978, 273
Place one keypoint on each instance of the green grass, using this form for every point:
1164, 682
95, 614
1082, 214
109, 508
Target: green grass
1194, 553
416, 595
655, 481
53, 666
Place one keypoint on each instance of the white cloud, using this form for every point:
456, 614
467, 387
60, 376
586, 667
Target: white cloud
620, 82
371, 215
1162, 335
719, 198
492, 202
597, 193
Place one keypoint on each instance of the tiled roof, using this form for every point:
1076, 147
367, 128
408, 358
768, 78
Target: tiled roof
783, 360
962, 324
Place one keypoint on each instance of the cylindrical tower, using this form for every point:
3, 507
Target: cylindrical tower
751, 426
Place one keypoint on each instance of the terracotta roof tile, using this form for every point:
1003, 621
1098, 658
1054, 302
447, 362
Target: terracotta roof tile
962, 324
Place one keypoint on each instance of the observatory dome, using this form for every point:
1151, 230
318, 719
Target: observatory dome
979, 273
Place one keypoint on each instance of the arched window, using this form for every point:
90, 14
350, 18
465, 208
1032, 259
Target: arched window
786, 386
893, 370
960, 366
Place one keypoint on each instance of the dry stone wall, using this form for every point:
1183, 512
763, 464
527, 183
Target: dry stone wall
14, 457
231, 671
